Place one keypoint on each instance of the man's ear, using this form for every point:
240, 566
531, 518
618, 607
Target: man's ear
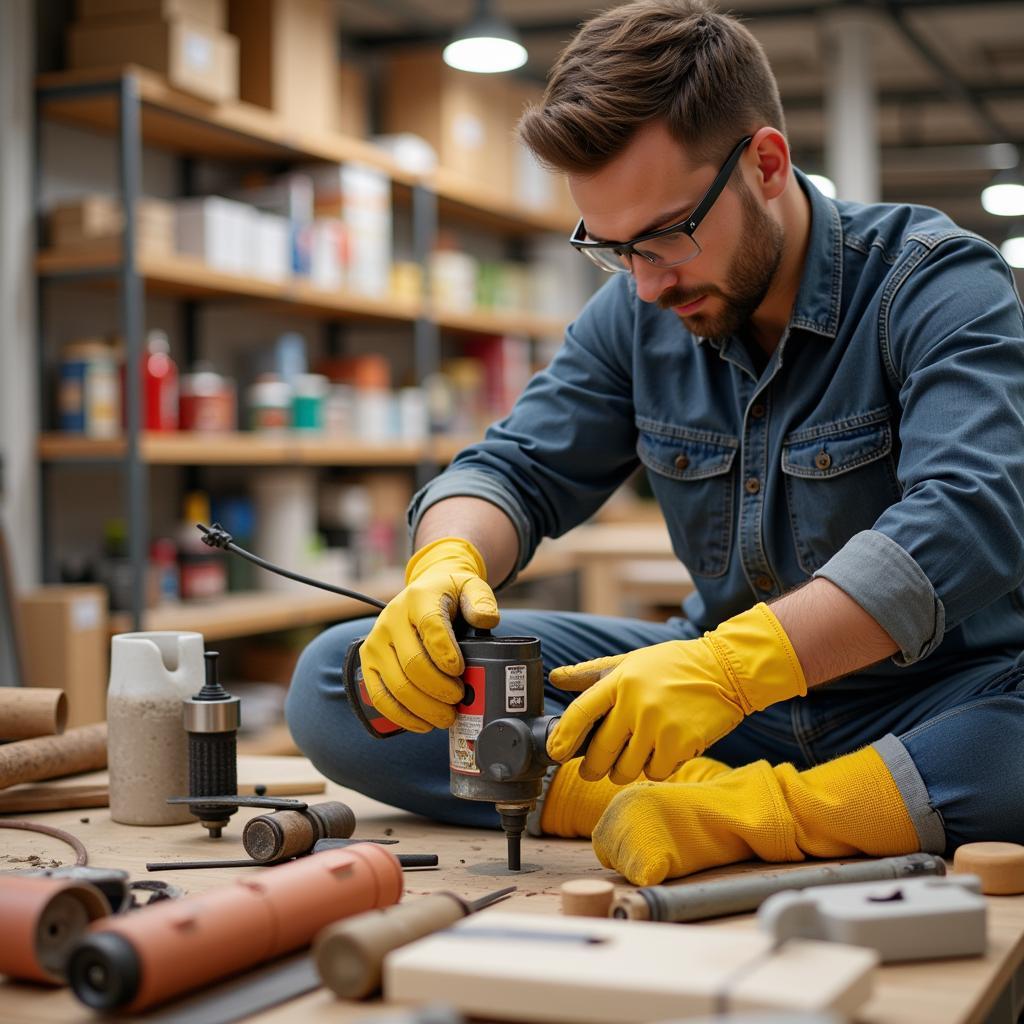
769, 152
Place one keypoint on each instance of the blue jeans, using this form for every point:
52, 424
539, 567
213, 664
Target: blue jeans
955, 745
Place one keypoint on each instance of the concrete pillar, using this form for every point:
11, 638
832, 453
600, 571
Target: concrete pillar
19, 497
852, 144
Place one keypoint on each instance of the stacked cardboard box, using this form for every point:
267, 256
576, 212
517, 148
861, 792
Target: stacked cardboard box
97, 220
289, 61
182, 39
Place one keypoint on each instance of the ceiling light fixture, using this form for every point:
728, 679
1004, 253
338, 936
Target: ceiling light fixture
1005, 196
826, 186
487, 45
1013, 248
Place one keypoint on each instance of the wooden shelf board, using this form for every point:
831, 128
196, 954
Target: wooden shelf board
237, 130
486, 321
184, 448
185, 124
238, 615
182, 277
464, 197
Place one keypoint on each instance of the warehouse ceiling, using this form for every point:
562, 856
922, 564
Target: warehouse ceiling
949, 76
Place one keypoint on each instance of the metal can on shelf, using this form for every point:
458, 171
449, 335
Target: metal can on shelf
309, 400
89, 394
270, 404
207, 402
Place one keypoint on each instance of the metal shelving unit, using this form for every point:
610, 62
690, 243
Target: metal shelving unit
138, 106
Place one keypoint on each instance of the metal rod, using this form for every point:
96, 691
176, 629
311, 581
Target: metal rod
950, 81
490, 898
137, 505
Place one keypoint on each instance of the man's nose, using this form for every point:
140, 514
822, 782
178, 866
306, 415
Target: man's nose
652, 281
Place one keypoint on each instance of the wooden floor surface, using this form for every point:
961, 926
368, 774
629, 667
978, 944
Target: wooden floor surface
472, 863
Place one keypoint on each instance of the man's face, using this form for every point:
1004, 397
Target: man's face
650, 185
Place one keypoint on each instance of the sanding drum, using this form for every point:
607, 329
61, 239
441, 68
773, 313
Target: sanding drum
42, 919
135, 962
30, 711
47, 757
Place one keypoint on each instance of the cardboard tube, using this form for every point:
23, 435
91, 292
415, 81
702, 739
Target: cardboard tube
48, 757
137, 960
42, 919
30, 711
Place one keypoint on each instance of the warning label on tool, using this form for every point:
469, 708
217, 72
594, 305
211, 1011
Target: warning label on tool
462, 743
469, 720
515, 687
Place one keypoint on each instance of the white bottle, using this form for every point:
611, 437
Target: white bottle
147, 747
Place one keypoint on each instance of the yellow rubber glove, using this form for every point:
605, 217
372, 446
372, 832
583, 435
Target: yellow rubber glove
573, 806
655, 830
411, 661
664, 704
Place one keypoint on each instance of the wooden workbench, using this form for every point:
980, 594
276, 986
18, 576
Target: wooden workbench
946, 992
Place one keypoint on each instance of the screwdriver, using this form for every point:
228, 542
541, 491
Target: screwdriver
350, 954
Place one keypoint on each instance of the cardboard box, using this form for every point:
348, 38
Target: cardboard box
465, 117
213, 13
194, 57
95, 220
352, 108
288, 59
66, 644
218, 231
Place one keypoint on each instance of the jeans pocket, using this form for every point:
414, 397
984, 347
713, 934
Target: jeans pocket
840, 477
691, 475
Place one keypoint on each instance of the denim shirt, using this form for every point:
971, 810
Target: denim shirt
881, 447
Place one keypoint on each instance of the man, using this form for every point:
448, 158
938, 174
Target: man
827, 398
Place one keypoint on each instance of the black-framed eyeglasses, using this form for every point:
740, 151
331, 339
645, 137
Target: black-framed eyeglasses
667, 247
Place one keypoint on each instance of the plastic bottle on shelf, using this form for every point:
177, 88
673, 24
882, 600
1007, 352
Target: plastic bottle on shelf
160, 384
204, 575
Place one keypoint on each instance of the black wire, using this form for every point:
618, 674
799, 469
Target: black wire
217, 537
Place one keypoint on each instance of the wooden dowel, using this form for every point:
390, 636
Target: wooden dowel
30, 711
79, 750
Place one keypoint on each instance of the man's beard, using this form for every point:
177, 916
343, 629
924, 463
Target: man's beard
750, 276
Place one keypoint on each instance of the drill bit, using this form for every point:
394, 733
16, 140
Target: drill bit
513, 821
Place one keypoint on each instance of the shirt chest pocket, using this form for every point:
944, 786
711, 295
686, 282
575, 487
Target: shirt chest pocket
840, 477
691, 475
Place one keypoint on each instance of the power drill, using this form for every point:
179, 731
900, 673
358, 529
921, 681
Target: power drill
497, 748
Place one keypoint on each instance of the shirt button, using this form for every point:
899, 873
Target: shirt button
763, 582
823, 460
757, 411
753, 485
682, 461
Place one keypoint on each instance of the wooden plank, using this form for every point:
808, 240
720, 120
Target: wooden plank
237, 130
941, 992
185, 448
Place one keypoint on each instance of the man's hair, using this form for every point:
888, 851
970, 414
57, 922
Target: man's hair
678, 61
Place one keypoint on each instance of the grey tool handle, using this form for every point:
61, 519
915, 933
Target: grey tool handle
744, 893
350, 954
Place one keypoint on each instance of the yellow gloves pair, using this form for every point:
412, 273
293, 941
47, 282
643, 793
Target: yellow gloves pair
411, 661
658, 706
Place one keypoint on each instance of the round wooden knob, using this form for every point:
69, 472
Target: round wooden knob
587, 897
1000, 866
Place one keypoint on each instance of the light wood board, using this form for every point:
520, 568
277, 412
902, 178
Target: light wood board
942, 992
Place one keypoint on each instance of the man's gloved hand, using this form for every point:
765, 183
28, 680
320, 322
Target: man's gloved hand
664, 704
411, 662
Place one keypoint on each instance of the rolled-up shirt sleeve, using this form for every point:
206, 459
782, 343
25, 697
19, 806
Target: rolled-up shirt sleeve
952, 340
570, 439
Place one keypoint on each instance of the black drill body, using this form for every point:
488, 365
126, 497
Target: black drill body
497, 746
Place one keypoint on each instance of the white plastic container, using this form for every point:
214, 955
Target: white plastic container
150, 675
